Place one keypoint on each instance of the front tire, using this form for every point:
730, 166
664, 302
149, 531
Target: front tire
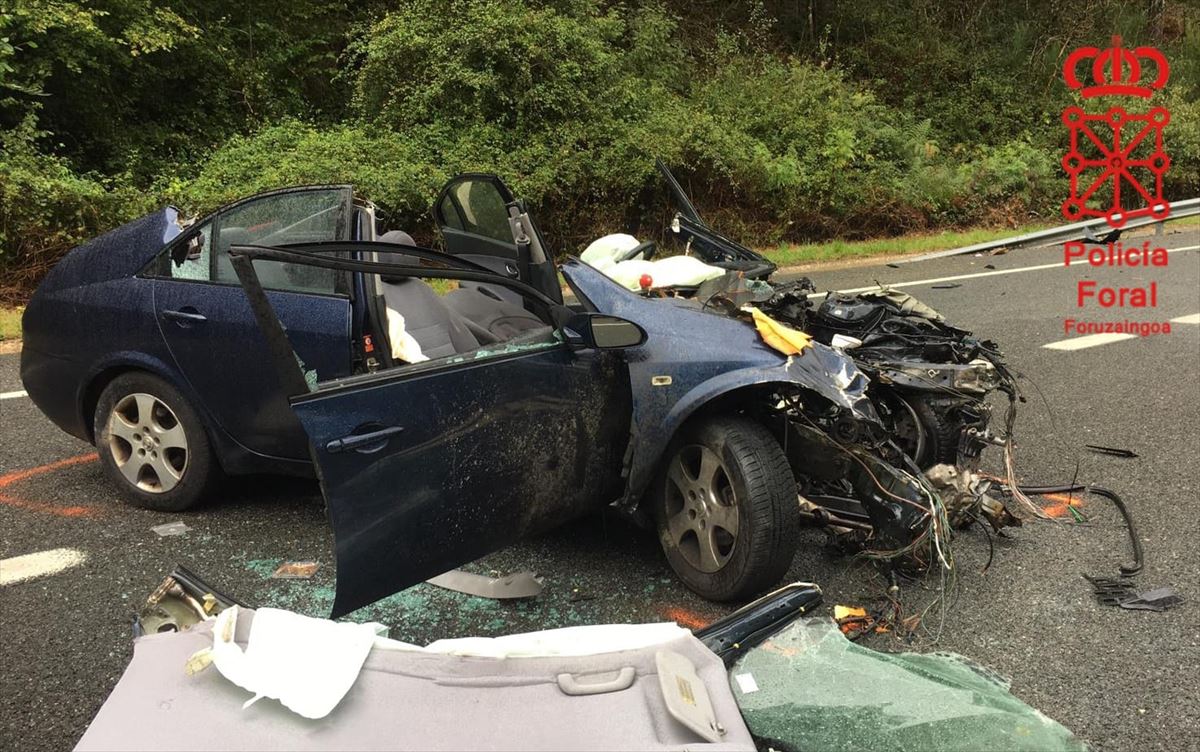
152, 443
726, 509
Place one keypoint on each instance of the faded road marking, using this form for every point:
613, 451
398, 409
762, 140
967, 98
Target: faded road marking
1193, 319
1091, 340
13, 395
41, 564
17, 476
997, 272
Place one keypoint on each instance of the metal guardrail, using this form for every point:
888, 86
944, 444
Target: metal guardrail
1075, 231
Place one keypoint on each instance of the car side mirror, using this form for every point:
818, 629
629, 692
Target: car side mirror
602, 332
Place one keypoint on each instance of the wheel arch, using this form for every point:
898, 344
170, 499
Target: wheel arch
104, 374
723, 395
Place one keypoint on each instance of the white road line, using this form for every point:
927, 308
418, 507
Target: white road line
21, 568
1193, 319
997, 272
13, 395
1091, 340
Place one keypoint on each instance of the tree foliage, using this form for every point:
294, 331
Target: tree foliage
788, 120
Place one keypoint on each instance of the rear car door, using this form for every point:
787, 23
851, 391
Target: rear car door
475, 214
211, 332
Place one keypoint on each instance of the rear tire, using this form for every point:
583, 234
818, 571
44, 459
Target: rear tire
726, 509
152, 443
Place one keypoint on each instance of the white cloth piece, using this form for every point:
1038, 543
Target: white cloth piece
307, 664
404, 347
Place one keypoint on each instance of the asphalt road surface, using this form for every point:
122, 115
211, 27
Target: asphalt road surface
1122, 680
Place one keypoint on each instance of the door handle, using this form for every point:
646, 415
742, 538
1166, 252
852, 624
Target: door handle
359, 440
185, 316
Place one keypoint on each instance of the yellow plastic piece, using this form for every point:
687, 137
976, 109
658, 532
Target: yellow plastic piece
783, 338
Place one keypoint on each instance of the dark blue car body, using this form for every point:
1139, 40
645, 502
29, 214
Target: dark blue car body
103, 311
426, 466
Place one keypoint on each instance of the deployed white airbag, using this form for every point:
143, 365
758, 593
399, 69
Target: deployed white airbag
404, 347
673, 271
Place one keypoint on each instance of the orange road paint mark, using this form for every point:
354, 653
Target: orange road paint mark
40, 506
684, 618
1061, 504
17, 476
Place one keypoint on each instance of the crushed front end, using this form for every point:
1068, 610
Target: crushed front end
887, 488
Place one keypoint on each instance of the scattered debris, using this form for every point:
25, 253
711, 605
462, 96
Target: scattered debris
295, 570
181, 602
1110, 591
1135, 542
1114, 451
732, 635
1063, 505
853, 621
579, 595
1119, 591
1158, 599
846, 612
949, 286
170, 528
505, 587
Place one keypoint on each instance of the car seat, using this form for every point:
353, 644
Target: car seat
422, 325
498, 319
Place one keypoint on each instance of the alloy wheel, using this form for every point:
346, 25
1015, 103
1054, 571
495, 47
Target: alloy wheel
702, 511
147, 442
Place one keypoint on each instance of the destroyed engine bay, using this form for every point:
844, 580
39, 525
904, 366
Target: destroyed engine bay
893, 486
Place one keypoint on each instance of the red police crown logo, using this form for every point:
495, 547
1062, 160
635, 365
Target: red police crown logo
1117, 71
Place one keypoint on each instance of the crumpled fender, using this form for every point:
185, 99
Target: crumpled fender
692, 357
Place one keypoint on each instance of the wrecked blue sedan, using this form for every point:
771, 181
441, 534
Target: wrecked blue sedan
495, 410
454, 402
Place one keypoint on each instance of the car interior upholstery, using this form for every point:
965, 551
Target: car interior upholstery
463, 320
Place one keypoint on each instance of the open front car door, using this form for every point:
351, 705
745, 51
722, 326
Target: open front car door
481, 221
429, 465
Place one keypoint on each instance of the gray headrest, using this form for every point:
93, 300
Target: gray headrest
400, 237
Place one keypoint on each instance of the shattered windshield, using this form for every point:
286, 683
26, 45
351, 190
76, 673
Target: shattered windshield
811, 688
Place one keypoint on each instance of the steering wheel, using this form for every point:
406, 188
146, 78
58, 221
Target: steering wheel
648, 248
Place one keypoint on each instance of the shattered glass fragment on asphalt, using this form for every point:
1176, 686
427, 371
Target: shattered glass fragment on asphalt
170, 528
295, 570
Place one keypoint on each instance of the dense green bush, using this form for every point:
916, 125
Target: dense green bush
786, 121
46, 208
